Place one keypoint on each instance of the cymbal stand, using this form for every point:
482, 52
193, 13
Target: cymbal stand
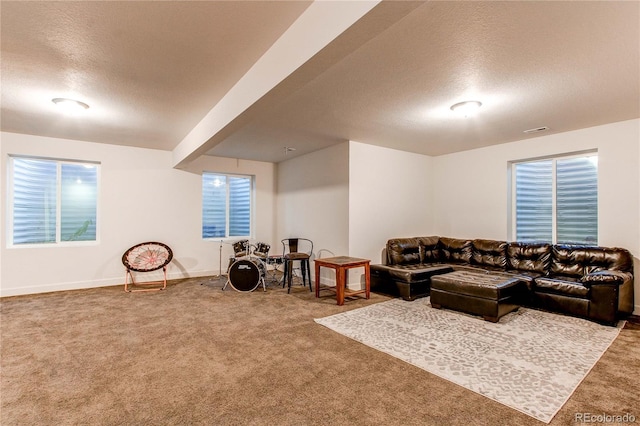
220, 262
220, 259
220, 270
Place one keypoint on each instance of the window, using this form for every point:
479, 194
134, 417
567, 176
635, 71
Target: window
556, 200
52, 201
226, 205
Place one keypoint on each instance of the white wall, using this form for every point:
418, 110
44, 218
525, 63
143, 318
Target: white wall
313, 202
313, 199
349, 199
142, 198
390, 195
471, 188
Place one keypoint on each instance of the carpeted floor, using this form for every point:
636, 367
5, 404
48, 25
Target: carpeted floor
194, 354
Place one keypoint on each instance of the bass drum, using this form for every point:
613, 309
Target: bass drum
246, 274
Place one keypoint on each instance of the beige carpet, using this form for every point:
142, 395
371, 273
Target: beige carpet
195, 355
508, 361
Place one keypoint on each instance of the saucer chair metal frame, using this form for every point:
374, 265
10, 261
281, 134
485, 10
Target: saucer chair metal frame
146, 257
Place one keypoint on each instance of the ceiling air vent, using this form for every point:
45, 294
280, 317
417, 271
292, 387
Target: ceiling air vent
536, 130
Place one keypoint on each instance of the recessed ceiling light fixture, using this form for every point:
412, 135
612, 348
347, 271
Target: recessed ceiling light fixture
466, 108
70, 106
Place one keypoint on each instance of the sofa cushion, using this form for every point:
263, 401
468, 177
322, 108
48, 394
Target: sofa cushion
577, 261
606, 277
529, 257
607, 258
490, 253
429, 249
563, 287
403, 251
568, 261
528, 278
410, 273
419, 272
453, 250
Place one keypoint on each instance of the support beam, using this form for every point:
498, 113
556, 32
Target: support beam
318, 26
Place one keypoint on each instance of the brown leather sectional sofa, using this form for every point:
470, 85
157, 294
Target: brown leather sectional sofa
584, 281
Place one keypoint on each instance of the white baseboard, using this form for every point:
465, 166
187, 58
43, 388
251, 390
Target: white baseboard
105, 282
48, 288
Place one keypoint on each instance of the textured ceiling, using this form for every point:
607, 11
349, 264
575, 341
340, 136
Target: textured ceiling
152, 70
149, 70
564, 65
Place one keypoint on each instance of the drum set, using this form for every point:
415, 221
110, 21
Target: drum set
247, 271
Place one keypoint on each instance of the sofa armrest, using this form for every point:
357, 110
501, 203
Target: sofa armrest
605, 277
611, 295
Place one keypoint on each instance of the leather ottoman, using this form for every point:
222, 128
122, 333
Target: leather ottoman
490, 295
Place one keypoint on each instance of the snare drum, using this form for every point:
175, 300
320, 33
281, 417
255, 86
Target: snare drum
246, 274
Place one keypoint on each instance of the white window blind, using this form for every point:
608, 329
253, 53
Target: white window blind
226, 205
534, 201
78, 202
53, 201
556, 200
577, 200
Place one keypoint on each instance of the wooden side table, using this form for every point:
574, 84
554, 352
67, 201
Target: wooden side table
341, 264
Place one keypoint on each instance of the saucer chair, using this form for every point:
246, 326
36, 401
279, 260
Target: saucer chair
146, 257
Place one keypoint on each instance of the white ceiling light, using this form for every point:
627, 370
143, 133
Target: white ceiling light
466, 108
70, 106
